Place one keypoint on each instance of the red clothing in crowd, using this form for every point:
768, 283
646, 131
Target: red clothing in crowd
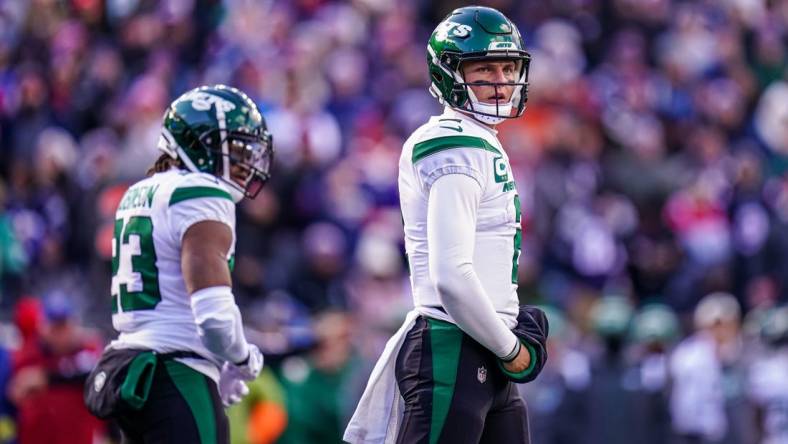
55, 412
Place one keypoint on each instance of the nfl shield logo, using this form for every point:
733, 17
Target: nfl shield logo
481, 374
98, 383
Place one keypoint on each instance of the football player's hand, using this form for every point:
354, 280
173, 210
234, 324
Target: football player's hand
232, 389
249, 368
521, 362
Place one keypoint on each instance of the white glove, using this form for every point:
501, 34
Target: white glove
231, 389
232, 385
250, 368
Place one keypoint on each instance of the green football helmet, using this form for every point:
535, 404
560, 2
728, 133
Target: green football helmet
469, 34
212, 129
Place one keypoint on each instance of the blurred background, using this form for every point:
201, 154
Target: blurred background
652, 163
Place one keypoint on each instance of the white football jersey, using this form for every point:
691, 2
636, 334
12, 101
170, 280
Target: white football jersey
454, 143
150, 305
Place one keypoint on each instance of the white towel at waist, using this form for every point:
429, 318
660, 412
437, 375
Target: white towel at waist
378, 414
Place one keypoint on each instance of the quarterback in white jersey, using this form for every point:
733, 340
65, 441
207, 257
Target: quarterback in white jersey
455, 361
182, 352
457, 144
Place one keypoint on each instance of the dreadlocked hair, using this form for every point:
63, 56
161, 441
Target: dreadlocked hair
164, 163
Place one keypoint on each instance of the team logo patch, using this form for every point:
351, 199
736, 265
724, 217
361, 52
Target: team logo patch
98, 383
501, 170
501, 46
481, 374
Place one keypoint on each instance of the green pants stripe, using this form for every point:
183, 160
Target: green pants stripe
454, 391
445, 342
192, 386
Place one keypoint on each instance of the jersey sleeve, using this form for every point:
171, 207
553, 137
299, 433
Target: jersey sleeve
437, 157
197, 200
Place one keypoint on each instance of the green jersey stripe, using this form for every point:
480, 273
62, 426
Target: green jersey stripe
181, 194
438, 144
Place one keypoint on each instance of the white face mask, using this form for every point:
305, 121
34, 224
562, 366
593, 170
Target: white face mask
504, 109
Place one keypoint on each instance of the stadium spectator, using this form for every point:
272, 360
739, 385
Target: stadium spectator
767, 385
48, 377
316, 388
7, 411
706, 371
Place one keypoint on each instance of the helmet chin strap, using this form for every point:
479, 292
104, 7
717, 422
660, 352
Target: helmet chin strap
235, 192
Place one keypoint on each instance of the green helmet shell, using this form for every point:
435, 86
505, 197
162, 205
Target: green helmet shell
202, 127
473, 33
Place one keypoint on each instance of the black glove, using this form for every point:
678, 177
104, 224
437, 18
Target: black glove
532, 329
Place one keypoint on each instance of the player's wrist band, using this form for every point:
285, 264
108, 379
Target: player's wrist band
245, 361
513, 354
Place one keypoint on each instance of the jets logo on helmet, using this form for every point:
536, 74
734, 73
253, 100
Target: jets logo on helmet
471, 34
456, 29
219, 130
202, 101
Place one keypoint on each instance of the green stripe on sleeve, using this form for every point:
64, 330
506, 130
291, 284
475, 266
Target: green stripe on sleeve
192, 386
181, 194
445, 342
438, 144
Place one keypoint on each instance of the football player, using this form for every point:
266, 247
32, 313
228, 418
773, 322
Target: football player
172, 256
461, 212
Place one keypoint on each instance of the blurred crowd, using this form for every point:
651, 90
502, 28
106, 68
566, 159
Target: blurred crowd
652, 163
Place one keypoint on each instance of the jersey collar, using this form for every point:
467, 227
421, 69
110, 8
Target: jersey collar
451, 112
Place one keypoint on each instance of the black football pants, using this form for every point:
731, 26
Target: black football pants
183, 406
454, 391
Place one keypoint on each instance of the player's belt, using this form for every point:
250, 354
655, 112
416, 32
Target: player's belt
180, 354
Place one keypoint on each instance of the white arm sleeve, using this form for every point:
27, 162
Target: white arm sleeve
219, 323
451, 230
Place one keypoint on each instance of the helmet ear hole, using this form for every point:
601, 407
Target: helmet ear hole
437, 76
